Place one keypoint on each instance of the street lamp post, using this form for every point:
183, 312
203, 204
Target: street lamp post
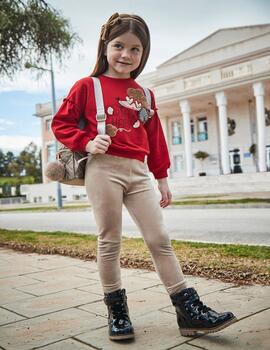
29, 65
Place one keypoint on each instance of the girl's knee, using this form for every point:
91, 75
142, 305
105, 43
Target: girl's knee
158, 242
109, 250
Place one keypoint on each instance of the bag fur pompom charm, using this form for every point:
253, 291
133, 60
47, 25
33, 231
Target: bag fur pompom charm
55, 171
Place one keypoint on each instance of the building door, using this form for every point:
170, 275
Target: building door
235, 161
268, 157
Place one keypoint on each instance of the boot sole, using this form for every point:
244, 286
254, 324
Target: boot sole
189, 332
122, 337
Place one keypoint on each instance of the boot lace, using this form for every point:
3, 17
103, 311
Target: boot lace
198, 304
119, 310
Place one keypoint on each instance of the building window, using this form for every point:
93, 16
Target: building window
202, 129
176, 133
192, 131
48, 124
178, 163
51, 153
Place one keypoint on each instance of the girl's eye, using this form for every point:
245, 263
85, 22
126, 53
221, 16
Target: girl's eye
136, 49
118, 46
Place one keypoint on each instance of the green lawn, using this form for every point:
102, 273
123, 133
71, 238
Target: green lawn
240, 264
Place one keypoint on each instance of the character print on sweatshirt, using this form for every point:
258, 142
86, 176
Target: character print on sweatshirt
122, 119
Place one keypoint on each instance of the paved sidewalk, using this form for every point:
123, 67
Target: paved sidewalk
54, 302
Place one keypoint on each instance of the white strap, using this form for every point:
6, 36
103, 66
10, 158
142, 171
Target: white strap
101, 115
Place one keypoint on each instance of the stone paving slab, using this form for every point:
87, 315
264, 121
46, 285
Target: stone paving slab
130, 283
39, 260
68, 344
9, 295
43, 330
125, 272
150, 275
48, 287
16, 281
63, 273
202, 285
9, 271
36, 306
188, 346
8, 317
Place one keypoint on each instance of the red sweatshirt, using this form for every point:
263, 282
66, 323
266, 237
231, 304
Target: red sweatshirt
124, 103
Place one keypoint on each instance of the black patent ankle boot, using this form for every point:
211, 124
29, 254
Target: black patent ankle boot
120, 326
193, 316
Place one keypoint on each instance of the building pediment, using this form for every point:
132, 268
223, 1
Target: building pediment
221, 39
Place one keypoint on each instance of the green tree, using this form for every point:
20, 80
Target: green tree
31, 30
2, 165
30, 158
22, 169
15, 167
5, 160
28, 163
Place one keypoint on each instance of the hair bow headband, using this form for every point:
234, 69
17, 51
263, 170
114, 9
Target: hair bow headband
114, 19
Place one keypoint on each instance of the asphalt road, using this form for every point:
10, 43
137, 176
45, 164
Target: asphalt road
226, 225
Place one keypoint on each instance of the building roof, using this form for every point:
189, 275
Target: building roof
219, 39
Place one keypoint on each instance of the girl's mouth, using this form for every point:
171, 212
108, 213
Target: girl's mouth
125, 63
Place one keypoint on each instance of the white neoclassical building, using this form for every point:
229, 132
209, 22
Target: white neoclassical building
213, 97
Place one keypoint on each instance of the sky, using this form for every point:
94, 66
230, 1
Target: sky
175, 25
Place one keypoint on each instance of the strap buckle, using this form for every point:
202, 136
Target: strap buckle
101, 117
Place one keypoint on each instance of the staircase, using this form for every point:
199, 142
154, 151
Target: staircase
221, 184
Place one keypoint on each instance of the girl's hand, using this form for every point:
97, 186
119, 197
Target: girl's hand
166, 195
100, 144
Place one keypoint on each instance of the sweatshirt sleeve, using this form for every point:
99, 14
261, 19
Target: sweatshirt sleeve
158, 160
65, 122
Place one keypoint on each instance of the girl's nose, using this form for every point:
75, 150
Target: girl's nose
126, 53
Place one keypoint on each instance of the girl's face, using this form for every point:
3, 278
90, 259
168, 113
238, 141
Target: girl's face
124, 55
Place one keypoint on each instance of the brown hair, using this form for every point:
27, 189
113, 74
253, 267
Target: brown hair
117, 25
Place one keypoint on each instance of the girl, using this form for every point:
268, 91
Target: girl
116, 174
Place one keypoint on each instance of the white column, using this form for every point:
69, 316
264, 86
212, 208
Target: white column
185, 108
258, 89
221, 100
165, 129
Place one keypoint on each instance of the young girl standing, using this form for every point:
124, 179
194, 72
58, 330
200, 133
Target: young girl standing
116, 174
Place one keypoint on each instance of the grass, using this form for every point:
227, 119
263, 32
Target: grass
47, 208
240, 264
222, 201
174, 203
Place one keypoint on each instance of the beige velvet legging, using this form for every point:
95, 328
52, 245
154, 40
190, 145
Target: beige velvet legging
110, 182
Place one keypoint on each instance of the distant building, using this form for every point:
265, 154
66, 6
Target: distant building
213, 97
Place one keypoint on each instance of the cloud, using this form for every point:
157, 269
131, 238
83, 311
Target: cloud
17, 143
5, 122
